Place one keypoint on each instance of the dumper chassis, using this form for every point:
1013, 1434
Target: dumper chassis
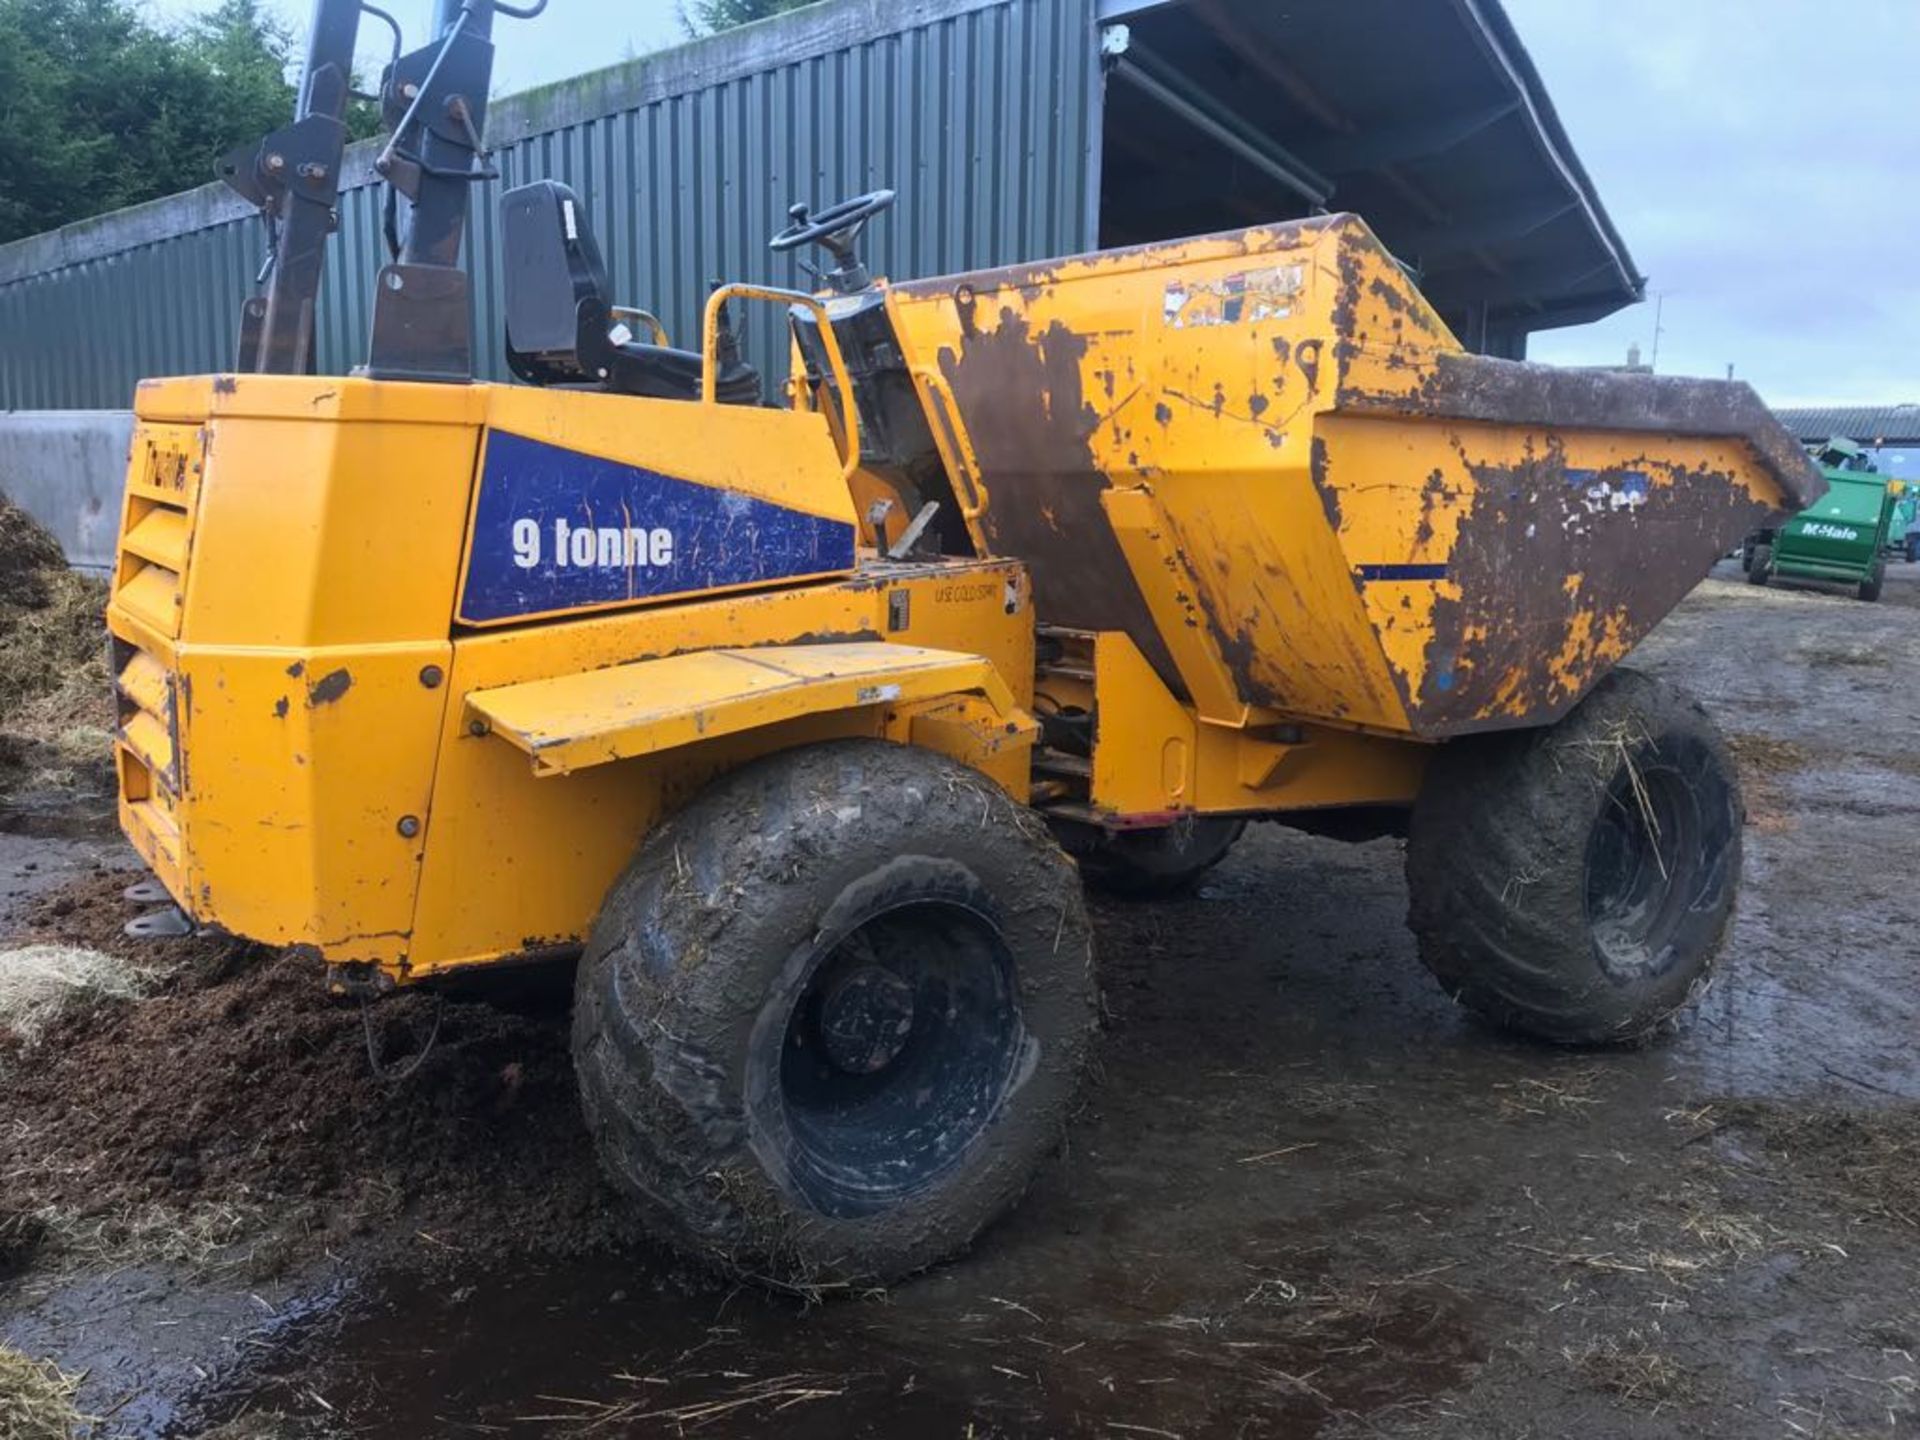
799, 724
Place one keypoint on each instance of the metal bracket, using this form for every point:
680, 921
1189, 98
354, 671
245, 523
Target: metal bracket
420, 325
910, 537
169, 922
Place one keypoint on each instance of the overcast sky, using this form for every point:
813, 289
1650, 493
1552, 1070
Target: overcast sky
1760, 157
1762, 160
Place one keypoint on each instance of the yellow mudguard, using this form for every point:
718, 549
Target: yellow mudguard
574, 721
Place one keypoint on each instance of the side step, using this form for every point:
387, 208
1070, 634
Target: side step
1058, 762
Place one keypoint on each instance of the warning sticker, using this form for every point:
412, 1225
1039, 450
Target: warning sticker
1235, 299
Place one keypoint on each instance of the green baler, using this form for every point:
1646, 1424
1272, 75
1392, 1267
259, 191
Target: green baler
1842, 537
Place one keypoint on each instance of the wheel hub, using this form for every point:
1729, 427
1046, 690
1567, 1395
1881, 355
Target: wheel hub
898, 1052
865, 1019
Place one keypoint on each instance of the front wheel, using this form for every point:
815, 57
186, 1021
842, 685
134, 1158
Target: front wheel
1876, 577
833, 1015
1760, 564
1576, 882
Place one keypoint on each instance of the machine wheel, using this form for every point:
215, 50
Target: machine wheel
1148, 864
1760, 564
833, 1015
1876, 577
1575, 882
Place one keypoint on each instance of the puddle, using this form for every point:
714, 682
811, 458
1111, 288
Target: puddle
148, 1337
612, 1344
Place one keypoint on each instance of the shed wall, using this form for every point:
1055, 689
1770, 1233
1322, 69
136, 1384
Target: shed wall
983, 114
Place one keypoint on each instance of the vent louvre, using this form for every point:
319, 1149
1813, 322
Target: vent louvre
163, 482
149, 593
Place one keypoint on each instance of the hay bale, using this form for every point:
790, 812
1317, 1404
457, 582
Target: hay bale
40, 983
36, 1399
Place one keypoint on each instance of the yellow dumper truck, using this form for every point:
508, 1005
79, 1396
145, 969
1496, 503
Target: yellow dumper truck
792, 719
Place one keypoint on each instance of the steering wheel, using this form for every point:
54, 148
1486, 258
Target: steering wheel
834, 227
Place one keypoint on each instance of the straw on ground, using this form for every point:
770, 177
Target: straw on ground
39, 983
36, 1399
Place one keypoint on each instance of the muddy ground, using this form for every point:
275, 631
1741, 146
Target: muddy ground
1305, 1196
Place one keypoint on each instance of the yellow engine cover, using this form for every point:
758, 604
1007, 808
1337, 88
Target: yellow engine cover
315, 574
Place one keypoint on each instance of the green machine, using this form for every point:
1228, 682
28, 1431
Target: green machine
1842, 537
1906, 523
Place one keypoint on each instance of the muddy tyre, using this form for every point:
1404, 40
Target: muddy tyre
1151, 864
1575, 883
1870, 587
1760, 565
833, 1015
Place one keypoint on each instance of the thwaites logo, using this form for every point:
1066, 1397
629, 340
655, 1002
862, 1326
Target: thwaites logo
557, 530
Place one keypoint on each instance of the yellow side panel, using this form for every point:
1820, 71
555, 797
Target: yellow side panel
1143, 422
786, 457
1313, 767
1143, 754
302, 777
280, 719
518, 861
1494, 605
312, 534
977, 732
1153, 756
574, 721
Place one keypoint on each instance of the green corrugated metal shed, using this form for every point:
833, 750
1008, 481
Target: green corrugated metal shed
686, 160
1013, 129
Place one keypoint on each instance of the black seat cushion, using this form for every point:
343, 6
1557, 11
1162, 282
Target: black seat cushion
668, 374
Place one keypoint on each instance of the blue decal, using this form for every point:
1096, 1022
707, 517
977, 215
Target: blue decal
1621, 488
1401, 572
558, 530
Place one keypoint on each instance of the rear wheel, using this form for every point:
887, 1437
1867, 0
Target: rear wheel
1876, 577
1575, 883
1760, 564
833, 1015
1152, 863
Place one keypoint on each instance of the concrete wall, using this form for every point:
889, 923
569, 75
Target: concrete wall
67, 468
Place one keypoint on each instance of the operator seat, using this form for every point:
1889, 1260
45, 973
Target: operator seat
560, 321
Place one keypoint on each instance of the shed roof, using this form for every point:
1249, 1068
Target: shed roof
1863, 424
1427, 119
